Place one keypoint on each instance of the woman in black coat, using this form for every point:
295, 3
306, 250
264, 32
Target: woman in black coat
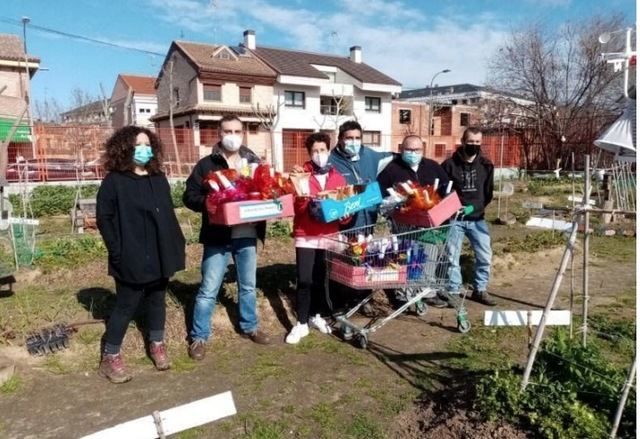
146, 247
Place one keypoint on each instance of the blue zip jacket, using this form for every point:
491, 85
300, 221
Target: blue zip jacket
363, 170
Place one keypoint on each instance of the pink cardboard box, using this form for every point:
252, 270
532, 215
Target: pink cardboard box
433, 217
250, 211
366, 277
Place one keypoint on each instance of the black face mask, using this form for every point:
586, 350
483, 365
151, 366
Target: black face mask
470, 150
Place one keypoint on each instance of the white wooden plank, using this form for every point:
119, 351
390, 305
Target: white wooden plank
198, 413
580, 199
548, 223
519, 318
174, 420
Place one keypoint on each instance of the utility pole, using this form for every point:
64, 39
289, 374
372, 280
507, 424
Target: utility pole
431, 109
27, 87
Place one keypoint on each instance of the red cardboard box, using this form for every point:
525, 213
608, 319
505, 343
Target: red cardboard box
433, 217
241, 212
360, 277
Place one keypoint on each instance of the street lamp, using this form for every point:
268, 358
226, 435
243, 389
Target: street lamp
429, 127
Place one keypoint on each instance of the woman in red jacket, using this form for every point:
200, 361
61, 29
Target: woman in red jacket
308, 233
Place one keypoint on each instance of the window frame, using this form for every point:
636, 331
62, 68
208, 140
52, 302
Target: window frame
240, 95
402, 120
205, 91
367, 104
293, 94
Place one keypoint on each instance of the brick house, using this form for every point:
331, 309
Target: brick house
455, 108
209, 81
14, 86
133, 101
448, 123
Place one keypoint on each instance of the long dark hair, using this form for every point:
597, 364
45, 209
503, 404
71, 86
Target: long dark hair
118, 154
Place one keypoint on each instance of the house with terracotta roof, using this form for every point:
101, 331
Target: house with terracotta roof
133, 101
204, 82
15, 71
298, 92
318, 92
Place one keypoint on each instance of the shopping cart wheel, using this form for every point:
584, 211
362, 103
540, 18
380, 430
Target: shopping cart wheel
421, 308
362, 341
346, 332
464, 325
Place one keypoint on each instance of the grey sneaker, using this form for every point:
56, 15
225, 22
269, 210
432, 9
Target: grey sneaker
483, 297
436, 302
452, 299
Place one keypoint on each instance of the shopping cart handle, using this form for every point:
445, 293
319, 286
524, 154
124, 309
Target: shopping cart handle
467, 210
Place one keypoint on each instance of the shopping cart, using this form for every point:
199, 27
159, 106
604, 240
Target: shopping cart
401, 257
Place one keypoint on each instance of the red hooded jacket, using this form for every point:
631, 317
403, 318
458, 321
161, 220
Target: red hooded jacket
303, 223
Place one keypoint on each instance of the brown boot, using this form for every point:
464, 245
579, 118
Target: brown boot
112, 368
158, 354
258, 337
196, 350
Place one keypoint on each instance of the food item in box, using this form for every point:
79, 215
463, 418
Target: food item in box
300, 181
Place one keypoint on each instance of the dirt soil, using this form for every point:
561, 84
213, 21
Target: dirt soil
317, 379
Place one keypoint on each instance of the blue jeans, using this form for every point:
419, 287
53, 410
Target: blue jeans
478, 234
214, 265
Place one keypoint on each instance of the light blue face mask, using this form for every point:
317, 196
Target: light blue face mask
142, 154
352, 147
412, 158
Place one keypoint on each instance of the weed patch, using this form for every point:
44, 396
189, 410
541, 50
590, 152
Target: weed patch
11, 386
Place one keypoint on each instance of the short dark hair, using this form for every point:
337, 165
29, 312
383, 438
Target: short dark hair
470, 130
348, 126
228, 118
118, 154
317, 137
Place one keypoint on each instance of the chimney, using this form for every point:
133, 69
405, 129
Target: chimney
355, 54
249, 39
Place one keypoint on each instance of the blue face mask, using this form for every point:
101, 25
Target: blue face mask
142, 154
412, 158
352, 147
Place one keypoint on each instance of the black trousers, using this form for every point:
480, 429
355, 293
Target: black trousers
311, 273
128, 297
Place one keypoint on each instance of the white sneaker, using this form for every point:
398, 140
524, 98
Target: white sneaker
320, 324
297, 333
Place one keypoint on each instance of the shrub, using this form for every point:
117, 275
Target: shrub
50, 200
177, 189
573, 393
69, 251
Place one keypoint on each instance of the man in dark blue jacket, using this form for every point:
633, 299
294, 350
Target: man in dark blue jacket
358, 164
411, 165
472, 176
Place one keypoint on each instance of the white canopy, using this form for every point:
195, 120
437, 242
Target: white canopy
620, 137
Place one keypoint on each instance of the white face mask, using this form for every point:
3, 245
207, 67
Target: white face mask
320, 158
231, 142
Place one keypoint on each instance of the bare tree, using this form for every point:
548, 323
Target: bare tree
168, 70
47, 110
269, 115
568, 92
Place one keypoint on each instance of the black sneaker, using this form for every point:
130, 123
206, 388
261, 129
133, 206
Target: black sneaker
483, 297
451, 299
436, 302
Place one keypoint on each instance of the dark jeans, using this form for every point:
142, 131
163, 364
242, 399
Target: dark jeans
128, 298
311, 273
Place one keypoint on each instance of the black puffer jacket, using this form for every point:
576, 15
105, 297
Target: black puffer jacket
137, 222
472, 181
196, 192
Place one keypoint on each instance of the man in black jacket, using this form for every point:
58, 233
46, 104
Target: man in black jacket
411, 165
472, 176
221, 242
